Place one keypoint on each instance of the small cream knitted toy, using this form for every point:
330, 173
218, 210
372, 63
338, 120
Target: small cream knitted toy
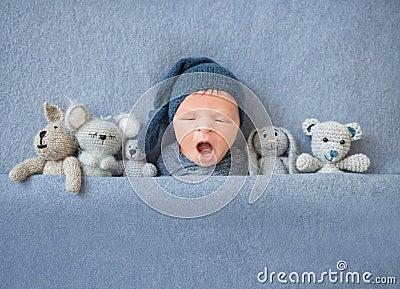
134, 163
99, 140
330, 143
55, 147
266, 145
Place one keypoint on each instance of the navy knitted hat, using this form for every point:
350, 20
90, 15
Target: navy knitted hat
187, 76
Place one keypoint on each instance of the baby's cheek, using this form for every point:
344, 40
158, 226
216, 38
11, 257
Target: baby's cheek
182, 131
186, 141
228, 134
222, 146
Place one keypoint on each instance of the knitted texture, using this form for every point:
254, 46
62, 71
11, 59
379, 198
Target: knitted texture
99, 140
133, 163
330, 143
187, 76
172, 162
55, 146
271, 150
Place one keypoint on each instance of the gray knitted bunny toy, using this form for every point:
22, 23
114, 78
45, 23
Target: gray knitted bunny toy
134, 163
330, 143
56, 147
260, 146
98, 139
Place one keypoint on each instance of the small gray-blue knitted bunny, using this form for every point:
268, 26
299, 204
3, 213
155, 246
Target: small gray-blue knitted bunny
263, 143
134, 162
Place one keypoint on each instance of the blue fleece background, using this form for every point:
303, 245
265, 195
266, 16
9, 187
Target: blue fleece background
108, 238
332, 60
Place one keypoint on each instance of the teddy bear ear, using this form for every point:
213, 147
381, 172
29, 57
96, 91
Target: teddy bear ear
355, 130
308, 124
53, 113
129, 125
76, 116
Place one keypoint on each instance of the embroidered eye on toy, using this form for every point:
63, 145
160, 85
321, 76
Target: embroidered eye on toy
99, 140
55, 147
330, 143
264, 141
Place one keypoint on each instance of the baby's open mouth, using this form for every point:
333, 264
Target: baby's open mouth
206, 154
203, 146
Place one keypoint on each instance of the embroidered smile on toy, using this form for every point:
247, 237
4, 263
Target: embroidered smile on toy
330, 143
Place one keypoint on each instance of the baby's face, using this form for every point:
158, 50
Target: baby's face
205, 125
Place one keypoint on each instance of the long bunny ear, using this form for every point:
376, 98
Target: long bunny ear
292, 152
254, 168
53, 113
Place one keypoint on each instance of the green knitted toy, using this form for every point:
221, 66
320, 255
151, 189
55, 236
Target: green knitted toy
330, 143
55, 147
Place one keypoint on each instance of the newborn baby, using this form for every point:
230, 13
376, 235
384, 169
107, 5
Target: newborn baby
203, 104
205, 125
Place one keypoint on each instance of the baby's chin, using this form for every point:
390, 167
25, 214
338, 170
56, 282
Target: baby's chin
205, 163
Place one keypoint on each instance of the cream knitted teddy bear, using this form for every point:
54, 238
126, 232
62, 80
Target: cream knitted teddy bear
330, 143
55, 147
99, 140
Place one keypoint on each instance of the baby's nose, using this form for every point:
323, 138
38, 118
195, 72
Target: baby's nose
271, 141
204, 129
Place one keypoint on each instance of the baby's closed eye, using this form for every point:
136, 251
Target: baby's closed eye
222, 120
188, 118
